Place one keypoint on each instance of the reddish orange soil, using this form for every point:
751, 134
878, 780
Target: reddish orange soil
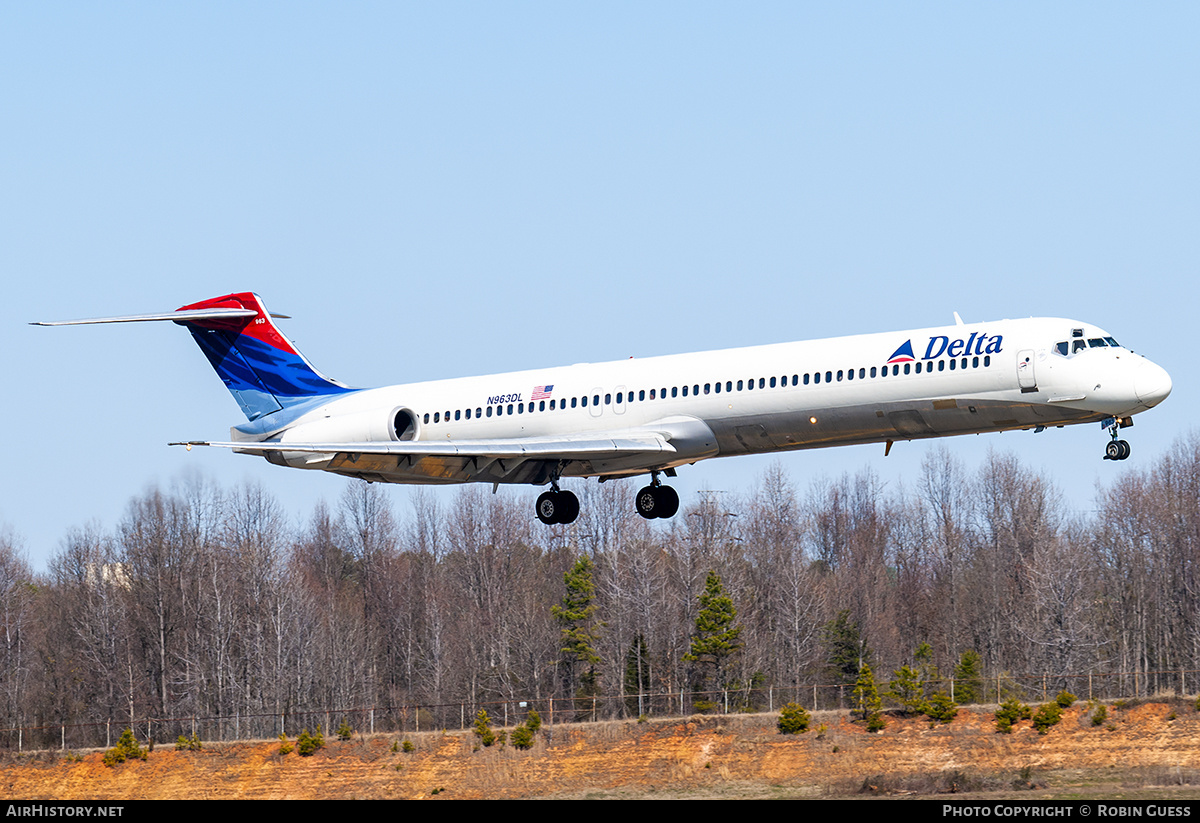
736, 756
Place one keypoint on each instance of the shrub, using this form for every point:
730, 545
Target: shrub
308, 744
127, 748
188, 744
1048, 715
908, 689
408, 746
483, 728
522, 737
533, 720
1065, 699
1010, 712
344, 732
941, 708
793, 719
1100, 715
284, 746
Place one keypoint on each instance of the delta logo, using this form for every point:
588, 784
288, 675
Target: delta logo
939, 345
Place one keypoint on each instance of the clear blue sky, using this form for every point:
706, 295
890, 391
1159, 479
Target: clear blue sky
442, 189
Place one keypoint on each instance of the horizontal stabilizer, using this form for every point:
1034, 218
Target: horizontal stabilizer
176, 316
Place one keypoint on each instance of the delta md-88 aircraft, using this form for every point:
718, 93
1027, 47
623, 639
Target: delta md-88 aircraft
650, 416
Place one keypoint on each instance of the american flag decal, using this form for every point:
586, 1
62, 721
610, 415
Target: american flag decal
541, 392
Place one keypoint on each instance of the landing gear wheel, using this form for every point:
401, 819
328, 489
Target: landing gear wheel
668, 502
1117, 450
569, 505
646, 502
657, 502
557, 507
548, 507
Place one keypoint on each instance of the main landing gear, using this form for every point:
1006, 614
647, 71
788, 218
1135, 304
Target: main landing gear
557, 506
657, 500
1116, 449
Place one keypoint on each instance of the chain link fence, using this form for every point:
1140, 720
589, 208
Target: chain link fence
1030, 688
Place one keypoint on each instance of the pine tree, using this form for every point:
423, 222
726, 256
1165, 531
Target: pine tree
908, 689
845, 649
968, 678
866, 699
580, 631
717, 636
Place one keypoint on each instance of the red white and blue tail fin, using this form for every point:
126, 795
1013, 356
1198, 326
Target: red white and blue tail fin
261, 368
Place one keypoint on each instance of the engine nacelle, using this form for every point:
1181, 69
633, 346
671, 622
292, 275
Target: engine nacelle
360, 427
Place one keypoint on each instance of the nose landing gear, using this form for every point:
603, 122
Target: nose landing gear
1116, 449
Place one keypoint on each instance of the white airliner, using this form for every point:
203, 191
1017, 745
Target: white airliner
652, 415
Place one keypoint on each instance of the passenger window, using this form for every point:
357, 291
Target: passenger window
841, 374
872, 371
674, 391
608, 399
739, 385
510, 409
828, 377
426, 417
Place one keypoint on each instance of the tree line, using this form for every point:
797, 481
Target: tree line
206, 601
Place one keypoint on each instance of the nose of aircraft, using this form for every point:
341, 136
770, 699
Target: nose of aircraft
1151, 383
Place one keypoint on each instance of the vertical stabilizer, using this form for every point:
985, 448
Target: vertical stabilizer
261, 368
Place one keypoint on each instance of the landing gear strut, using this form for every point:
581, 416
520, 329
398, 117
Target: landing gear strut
1116, 449
656, 500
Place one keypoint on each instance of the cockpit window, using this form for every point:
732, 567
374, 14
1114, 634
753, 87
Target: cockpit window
1113, 343
1077, 346
1061, 348
1097, 342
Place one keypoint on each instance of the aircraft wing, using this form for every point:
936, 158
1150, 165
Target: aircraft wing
516, 460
